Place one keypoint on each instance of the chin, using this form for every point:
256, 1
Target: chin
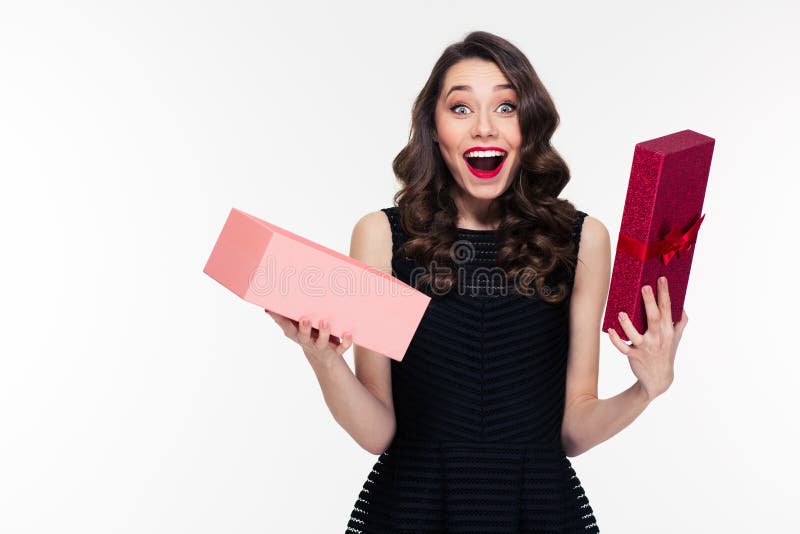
486, 192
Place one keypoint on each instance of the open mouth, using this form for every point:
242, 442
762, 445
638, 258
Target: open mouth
486, 161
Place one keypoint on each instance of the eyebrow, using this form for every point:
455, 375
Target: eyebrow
468, 88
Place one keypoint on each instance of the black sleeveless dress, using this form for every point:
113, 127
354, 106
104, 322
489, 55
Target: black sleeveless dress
479, 401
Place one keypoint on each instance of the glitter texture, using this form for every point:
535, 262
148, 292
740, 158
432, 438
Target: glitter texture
666, 190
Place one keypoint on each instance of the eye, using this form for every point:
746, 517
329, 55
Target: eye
507, 104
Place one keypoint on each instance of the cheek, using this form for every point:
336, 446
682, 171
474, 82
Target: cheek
514, 136
450, 134
449, 143
451, 158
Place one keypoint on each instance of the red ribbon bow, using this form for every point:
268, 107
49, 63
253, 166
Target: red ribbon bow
674, 243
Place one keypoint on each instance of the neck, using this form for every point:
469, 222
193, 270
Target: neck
476, 213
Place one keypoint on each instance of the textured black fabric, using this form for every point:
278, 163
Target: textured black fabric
479, 400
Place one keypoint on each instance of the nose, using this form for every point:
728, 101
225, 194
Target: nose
484, 126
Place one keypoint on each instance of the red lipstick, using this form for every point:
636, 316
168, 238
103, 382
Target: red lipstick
485, 174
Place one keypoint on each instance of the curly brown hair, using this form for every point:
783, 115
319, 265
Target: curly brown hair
535, 230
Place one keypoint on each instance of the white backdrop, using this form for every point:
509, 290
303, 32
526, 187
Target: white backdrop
139, 395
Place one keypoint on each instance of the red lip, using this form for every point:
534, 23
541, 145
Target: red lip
485, 175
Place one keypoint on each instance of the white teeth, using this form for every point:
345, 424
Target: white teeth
484, 154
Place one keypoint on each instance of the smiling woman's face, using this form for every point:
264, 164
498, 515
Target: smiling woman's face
477, 108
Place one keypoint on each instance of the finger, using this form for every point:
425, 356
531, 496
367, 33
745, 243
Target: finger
623, 347
630, 330
304, 332
650, 307
347, 340
324, 335
664, 303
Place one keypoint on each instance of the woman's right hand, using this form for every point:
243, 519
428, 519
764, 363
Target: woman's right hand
319, 346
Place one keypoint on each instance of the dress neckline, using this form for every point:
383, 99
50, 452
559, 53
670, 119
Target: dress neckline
471, 231
395, 210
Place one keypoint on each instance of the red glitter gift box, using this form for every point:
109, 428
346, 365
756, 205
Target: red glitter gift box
659, 225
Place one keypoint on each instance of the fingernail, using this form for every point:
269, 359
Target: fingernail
622, 315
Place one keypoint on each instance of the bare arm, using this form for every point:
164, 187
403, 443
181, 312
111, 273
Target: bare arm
367, 419
588, 420
362, 402
594, 420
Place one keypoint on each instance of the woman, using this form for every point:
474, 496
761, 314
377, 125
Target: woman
499, 383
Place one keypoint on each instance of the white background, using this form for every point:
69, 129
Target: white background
139, 395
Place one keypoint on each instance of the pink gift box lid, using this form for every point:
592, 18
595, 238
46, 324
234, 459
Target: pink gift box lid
283, 272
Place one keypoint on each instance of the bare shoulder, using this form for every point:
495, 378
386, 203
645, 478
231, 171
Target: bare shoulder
594, 227
594, 257
371, 241
595, 238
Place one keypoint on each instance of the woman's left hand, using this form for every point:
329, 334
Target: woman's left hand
652, 354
